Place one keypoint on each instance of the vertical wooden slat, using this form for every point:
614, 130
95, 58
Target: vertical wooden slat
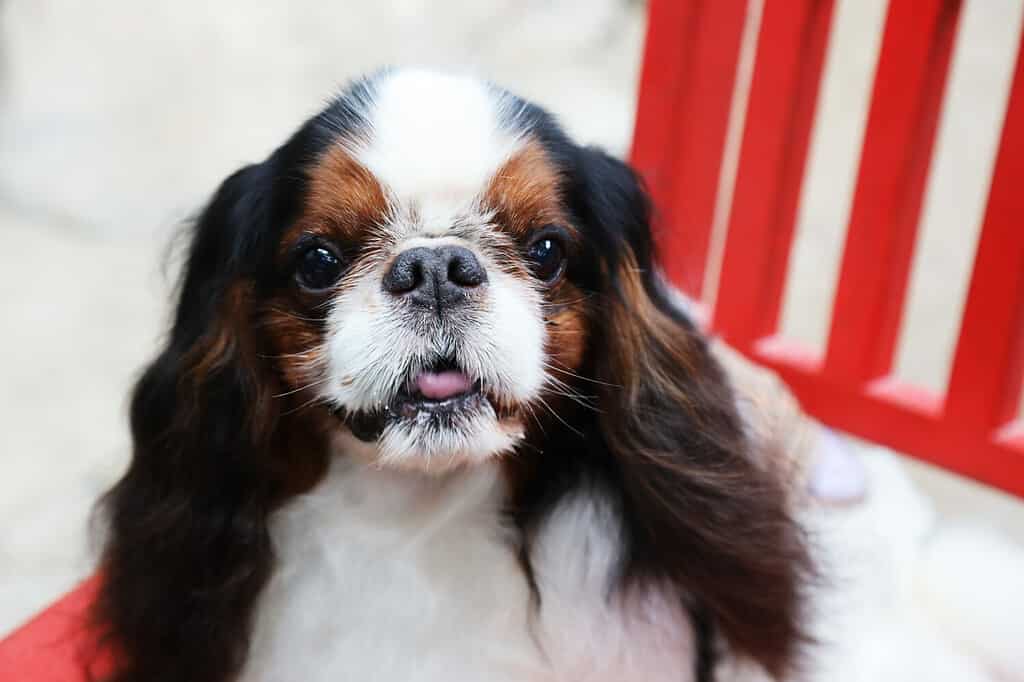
985, 384
701, 144
773, 153
686, 88
909, 83
666, 67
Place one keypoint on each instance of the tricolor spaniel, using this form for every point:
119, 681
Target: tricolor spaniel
426, 412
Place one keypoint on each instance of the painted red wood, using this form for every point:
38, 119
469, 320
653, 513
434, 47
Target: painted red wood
971, 430
985, 385
909, 83
662, 80
780, 115
55, 645
902, 417
685, 94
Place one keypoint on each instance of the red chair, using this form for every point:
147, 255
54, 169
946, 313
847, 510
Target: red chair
690, 66
685, 99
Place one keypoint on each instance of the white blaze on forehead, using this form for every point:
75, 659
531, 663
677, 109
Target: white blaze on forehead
434, 144
435, 141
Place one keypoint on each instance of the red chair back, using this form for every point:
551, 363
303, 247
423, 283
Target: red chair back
685, 107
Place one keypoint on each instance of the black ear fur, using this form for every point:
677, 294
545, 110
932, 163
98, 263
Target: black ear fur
188, 547
701, 512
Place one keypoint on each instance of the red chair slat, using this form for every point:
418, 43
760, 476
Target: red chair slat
985, 385
908, 88
902, 417
685, 94
780, 115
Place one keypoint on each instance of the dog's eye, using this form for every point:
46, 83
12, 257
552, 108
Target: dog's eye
318, 268
547, 258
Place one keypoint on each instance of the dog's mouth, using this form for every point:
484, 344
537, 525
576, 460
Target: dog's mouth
442, 396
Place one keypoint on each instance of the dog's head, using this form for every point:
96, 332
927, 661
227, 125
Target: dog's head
429, 275
418, 274
427, 288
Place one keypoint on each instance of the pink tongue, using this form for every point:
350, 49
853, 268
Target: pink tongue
442, 385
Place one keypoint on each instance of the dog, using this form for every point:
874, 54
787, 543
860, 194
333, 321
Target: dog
427, 411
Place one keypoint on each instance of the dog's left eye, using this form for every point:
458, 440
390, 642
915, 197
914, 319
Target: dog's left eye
547, 256
318, 268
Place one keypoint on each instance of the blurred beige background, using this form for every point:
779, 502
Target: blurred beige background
118, 118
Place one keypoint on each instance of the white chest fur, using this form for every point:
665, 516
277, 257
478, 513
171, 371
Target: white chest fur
388, 576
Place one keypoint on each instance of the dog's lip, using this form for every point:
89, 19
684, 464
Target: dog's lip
409, 405
368, 425
441, 389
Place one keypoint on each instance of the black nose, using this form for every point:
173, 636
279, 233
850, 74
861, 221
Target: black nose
434, 278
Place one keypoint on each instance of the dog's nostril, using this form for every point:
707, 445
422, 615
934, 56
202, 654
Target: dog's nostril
464, 269
407, 272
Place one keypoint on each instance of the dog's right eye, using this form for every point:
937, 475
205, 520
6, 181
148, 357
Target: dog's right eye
318, 268
547, 256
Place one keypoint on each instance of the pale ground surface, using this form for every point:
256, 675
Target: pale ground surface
117, 120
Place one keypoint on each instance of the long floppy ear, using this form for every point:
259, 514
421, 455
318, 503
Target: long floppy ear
188, 548
701, 511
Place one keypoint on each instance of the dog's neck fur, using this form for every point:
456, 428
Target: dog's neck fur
404, 576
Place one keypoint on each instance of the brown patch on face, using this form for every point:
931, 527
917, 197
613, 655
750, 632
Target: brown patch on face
344, 201
525, 192
566, 321
343, 205
294, 344
525, 195
296, 341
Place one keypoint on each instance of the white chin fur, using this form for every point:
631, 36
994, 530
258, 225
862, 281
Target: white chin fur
406, 445
410, 445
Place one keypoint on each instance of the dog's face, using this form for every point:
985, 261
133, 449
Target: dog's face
424, 295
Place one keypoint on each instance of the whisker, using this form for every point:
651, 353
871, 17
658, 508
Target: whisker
563, 304
525, 444
559, 418
301, 318
316, 399
564, 390
579, 376
579, 401
301, 354
532, 413
567, 389
325, 304
303, 388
